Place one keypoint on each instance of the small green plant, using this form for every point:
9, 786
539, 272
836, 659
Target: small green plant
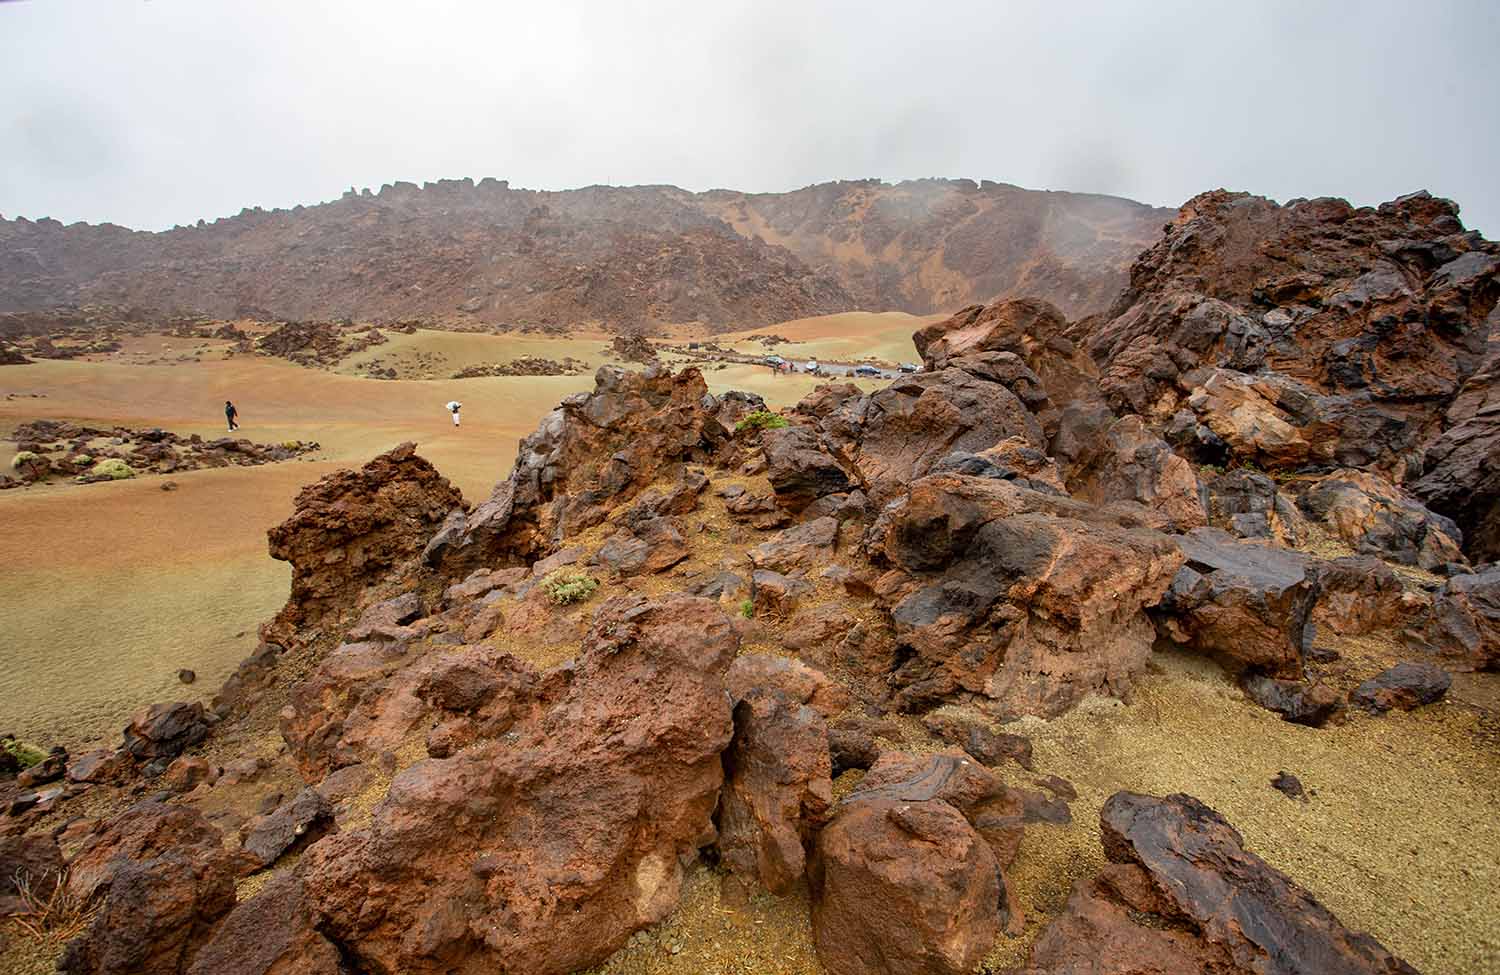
24, 754
113, 468
747, 608
761, 420
564, 587
22, 458
84, 459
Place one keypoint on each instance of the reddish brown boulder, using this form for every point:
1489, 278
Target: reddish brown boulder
351, 528
1357, 595
1375, 517
161, 878
1031, 329
1129, 463
1244, 916
162, 731
905, 888
1247, 604
29, 862
269, 934
1296, 701
798, 547
543, 850
799, 468
1463, 627
1404, 686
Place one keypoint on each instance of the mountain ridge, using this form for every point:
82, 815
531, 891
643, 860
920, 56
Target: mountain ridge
627, 257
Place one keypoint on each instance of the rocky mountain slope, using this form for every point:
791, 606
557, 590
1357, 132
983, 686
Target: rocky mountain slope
623, 256
809, 652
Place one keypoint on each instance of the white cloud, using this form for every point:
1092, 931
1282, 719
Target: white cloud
155, 112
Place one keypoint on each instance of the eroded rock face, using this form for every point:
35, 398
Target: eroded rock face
1031, 329
351, 529
1019, 601
595, 452
1181, 894
1132, 464
778, 788
1374, 517
1250, 505
542, 851
1460, 476
270, 934
162, 878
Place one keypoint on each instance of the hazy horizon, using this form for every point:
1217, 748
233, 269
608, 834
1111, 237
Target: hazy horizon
161, 113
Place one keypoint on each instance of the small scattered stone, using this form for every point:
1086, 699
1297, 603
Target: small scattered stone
1289, 785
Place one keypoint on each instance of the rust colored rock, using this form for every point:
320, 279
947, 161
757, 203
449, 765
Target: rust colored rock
1248, 605
984, 743
543, 851
352, 528
1404, 686
798, 547
1374, 517
31, 862
1016, 601
162, 731
296, 822
595, 452
800, 683
1131, 464
1358, 595
904, 888
269, 934
104, 765
1250, 505
185, 774
1250, 918
1463, 627
777, 788
1031, 329
161, 878
800, 469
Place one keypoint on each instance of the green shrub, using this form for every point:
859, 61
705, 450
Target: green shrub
113, 468
747, 608
26, 755
21, 458
565, 586
761, 420
83, 459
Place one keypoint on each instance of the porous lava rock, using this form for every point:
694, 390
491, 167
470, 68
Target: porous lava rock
1462, 629
543, 851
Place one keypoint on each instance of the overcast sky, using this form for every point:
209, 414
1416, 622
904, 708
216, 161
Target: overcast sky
154, 112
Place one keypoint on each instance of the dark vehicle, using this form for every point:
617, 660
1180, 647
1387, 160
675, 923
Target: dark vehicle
866, 371
909, 367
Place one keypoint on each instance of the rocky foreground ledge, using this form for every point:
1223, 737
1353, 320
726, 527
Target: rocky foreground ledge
790, 647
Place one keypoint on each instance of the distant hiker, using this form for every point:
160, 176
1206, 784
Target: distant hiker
230, 414
453, 407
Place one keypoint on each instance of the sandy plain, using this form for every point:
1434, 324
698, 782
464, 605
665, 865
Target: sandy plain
106, 590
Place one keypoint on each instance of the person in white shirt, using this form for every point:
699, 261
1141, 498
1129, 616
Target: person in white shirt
454, 407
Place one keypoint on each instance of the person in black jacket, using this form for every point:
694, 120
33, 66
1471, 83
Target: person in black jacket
230, 413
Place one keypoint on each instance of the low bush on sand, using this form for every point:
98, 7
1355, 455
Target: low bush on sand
566, 586
113, 468
761, 420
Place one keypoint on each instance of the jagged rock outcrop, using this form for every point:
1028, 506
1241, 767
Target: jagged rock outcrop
596, 451
351, 528
1033, 330
904, 880
1181, 894
1318, 335
1021, 601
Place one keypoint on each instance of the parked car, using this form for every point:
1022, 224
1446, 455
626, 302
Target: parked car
866, 371
774, 360
909, 367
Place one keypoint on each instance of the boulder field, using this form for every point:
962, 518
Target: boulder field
801, 654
